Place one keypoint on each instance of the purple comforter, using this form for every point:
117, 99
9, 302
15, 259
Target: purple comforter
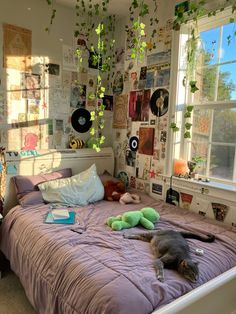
98, 271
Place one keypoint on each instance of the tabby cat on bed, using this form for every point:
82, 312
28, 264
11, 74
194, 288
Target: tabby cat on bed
172, 251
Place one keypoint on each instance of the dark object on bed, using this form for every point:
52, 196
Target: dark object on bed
172, 251
99, 271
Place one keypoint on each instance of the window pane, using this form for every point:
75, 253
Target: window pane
210, 43
222, 161
227, 80
224, 126
228, 50
206, 82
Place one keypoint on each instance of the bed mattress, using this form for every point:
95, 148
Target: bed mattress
98, 271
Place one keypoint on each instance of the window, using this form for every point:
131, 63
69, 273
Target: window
213, 132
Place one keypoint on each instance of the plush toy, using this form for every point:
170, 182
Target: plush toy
129, 198
113, 190
147, 216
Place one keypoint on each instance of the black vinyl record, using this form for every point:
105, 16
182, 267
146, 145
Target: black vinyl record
133, 143
159, 102
80, 120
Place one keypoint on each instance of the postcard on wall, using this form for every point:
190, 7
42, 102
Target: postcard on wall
159, 57
17, 47
68, 58
78, 96
220, 211
31, 86
162, 78
120, 111
146, 140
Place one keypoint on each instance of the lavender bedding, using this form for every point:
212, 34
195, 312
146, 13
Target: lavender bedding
98, 271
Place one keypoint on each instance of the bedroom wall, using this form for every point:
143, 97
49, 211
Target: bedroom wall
142, 139
40, 118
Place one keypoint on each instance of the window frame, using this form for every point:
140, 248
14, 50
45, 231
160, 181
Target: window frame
179, 146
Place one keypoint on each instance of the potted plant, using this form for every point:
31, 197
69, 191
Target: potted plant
195, 164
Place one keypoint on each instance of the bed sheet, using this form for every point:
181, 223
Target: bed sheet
99, 271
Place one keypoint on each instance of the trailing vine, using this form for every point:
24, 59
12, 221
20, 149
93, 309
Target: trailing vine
100, 51
193, 46
138, 10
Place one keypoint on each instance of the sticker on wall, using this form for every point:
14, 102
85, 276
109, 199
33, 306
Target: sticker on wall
159, 102
29, 153
30, 141
220, 211
133, 143
11, 169
186, 200
157, 188
132, 183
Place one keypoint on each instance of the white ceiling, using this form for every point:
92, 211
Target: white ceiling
118, 7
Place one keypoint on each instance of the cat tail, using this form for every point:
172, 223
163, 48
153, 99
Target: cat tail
188, 235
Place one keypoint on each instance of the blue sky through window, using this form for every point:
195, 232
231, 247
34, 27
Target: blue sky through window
210, 40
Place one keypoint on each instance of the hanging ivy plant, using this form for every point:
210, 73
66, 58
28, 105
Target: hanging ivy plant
138, 10
101, 55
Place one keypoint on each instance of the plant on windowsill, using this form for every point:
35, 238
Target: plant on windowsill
195, 164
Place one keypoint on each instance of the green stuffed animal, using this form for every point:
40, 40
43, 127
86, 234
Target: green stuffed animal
147, 216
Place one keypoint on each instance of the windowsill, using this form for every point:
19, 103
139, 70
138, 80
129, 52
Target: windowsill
211, 184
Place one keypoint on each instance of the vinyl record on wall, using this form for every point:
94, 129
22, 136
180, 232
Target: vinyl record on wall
80, 120
133, 143
159, 102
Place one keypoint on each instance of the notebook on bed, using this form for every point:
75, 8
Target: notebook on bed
70, 220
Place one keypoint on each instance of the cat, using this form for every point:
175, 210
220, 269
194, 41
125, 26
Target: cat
172, 251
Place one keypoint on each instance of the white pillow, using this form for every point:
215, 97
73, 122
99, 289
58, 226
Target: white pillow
81, 189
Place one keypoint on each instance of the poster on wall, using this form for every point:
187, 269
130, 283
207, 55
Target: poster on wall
17, 48
68, 58
146, 139
120, 112
31, 86
186, 200
220, 211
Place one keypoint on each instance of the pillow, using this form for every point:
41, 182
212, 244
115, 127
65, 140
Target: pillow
26, 184
31, 198
81, 189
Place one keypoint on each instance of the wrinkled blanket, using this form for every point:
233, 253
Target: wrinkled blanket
99, 271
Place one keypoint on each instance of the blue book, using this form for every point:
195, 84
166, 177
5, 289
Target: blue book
70, 221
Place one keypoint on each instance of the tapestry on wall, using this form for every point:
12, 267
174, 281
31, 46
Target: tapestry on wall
17, 47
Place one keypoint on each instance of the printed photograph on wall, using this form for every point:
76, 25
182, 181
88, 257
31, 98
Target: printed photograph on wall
53, 69
157, 188
162, 78
31, 86
146, 139
78, 96
130, 157
108, 102
220, 211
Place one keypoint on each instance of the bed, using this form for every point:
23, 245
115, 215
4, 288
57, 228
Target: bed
98, 271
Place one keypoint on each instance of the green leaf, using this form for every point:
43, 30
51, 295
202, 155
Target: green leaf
193, 87
188, 126
189, 108
187, 134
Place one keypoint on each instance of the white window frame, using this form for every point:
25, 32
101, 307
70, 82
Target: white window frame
176, 140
